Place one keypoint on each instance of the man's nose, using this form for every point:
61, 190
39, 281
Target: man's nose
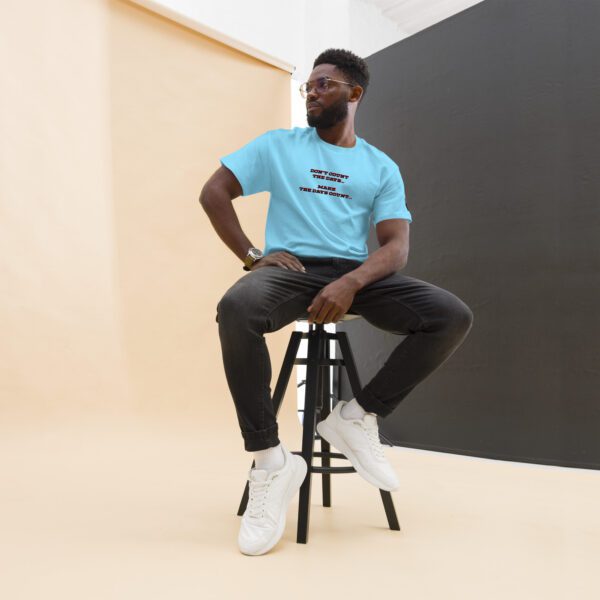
311, 95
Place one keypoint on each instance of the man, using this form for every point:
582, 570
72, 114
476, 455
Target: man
326, 183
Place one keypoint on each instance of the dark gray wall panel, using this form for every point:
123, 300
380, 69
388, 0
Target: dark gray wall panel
493, 116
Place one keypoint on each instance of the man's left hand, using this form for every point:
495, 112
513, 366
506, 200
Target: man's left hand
332, 302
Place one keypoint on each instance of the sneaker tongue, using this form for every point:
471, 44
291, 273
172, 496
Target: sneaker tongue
258, 474
370, 419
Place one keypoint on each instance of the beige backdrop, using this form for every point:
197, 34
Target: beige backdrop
112, 119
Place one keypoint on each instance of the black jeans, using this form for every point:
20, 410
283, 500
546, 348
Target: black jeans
265, 300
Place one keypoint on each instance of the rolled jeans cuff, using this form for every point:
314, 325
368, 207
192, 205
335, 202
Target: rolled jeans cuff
261, 439
371, 404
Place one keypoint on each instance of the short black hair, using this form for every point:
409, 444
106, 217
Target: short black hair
352, 66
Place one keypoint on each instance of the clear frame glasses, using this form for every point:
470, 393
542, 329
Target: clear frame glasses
321, 86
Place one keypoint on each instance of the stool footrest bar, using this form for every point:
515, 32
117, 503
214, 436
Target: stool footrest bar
314, 469
322, 363
323, 454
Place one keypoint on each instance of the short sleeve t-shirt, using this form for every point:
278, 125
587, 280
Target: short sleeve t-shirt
323, 196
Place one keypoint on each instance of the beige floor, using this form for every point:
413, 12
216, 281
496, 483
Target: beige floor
131, 508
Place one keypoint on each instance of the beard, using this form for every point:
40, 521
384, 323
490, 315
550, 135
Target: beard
328, 117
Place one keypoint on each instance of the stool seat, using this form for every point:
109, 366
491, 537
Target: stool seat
345, 317
317, 406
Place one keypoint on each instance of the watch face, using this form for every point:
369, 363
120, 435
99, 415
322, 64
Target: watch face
255, 253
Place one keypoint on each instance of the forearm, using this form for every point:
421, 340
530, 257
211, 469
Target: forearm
219, 208
388, 259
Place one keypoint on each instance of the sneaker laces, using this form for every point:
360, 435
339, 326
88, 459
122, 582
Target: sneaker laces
258, 498
372, 432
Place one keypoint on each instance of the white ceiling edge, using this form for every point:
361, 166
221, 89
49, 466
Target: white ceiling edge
415, 15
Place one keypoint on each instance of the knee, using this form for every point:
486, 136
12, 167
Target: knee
237, 308
456, 316
230, 307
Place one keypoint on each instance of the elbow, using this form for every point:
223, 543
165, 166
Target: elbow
402, 259
213, 196
399, 253
204, 198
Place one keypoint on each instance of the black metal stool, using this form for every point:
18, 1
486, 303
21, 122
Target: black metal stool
318, 401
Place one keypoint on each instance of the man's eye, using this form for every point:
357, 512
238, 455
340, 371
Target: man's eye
320, 85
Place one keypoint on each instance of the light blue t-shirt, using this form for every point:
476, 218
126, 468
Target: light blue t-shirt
322, 195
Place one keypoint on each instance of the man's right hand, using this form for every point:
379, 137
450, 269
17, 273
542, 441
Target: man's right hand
279, 259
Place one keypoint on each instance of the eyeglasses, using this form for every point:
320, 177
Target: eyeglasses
321, 86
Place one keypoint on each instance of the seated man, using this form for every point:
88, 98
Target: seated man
326, 183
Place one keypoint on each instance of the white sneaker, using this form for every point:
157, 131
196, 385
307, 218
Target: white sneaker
358, 440
270, 494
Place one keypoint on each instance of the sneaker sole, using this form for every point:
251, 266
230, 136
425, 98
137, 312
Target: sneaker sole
295, 482
332, 437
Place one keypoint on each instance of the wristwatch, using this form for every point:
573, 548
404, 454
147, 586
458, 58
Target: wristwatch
253, 255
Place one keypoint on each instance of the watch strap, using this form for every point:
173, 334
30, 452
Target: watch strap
249, 260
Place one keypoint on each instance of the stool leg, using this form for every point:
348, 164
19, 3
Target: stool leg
286, 370
348, 358
282, 383
308, 428
324, 413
